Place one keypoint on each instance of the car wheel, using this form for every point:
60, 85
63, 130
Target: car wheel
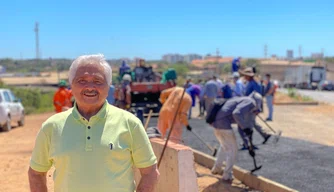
7, 126
21, 122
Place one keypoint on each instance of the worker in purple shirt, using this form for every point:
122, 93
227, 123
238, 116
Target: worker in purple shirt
194, 91
252, 86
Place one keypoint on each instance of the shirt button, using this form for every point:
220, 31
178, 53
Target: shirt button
88, 137
88, 127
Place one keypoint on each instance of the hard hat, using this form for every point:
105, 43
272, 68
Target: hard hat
126, 77
62, 83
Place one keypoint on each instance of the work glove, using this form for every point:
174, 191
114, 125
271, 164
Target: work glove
189, 128
248, 131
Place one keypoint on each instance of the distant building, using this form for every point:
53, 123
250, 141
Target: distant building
317, 55
208, 56
190, 57
289, 54
172, 58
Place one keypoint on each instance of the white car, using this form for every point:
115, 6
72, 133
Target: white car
11, 110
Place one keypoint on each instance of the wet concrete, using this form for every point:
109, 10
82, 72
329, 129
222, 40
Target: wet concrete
298, 164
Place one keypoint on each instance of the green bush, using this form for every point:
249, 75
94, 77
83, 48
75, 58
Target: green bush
292, 92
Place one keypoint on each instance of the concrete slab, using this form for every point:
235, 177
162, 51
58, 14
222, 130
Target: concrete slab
177, 168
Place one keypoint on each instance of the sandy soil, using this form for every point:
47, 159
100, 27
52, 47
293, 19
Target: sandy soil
281, 97
45, 78
15, 154
212, 183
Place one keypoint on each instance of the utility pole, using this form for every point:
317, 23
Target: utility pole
217, 55
265, 51
300, 52
323, 56
37, 40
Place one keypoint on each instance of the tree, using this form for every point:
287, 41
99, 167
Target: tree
181, 69
251, 63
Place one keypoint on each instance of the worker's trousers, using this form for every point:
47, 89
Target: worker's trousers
270, 105
208, 102
257, 127
228, 144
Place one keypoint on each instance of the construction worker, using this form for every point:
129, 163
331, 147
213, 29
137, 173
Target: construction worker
210, 92
239, 110
201, 99
124, 68
252, 86
124, 93
170, 98
269, 92
70, 96
111, 95
239, 88
194, 91
61, 99
236, 64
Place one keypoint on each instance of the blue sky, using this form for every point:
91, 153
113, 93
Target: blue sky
149, 29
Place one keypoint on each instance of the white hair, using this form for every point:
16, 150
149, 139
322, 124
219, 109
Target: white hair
83, 60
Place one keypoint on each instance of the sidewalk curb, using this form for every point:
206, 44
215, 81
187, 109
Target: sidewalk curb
297, 103
253, 181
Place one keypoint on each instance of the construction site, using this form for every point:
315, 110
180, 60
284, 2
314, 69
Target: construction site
300, 161
207, 107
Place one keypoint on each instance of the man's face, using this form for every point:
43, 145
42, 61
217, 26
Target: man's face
89, 86
248, 78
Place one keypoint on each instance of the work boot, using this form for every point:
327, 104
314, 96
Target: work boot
244, 147
227, 181
269, 119
266, 139
216, 170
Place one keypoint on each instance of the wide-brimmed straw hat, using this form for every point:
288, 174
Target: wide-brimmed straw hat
247, 72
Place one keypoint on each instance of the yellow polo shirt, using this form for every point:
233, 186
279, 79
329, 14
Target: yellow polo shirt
92, 156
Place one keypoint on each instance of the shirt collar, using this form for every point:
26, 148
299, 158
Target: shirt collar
101, 114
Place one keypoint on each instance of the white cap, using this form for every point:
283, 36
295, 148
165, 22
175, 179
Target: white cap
236, 75
126, 77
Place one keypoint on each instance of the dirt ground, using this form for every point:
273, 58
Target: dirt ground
15, 154
212, 183
45, 78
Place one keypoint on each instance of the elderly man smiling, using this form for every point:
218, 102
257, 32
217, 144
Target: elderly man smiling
94, 145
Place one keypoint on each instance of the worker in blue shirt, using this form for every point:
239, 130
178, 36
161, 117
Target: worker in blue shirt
236, 64
239, 87
210, 92
251, 86
226, 91
111, 97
